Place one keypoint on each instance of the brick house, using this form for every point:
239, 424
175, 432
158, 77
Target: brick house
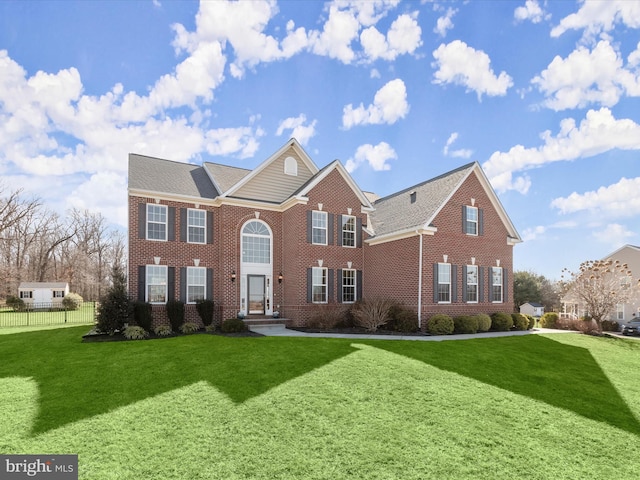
289, 237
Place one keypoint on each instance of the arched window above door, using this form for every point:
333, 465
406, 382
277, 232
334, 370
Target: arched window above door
256, 242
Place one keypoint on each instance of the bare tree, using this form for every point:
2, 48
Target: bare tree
600, 285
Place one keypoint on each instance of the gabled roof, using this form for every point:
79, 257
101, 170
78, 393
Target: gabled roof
223, 176
24, 285
632, 248
430, 197
533, 304
166, 176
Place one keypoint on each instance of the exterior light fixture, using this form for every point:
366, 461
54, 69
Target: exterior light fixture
233, 276
280, 278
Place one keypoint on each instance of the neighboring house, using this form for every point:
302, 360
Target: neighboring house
532, 308
289, 237
630, 255
42, 294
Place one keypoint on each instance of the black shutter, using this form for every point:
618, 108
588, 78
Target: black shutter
330, 229
171, 227
435, 283
454, 283
142, 220
490, 285
505, 286
464, 219
358, 232
309, 285
340, 228
330, 285
339, 295
480, 221
358, 284
142, 283
209, 227
480, 284
183, 284
171, 283
464, 284
183, 224
209, 287
310, 226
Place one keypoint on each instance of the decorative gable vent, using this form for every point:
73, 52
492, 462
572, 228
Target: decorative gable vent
291, 166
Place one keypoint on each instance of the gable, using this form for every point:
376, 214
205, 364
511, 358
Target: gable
630, 255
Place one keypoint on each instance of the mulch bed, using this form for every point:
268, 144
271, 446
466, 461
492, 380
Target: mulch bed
95, 336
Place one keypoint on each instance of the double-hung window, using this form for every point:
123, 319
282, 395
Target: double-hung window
196, 226
472, 284
348, 286
26, 294
196, 283
58, 294
348, 231
444, 283
156, 222
471, 221
319, 285
319, 227
496, 284
156, 283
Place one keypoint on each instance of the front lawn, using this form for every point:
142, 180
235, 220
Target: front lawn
204, 406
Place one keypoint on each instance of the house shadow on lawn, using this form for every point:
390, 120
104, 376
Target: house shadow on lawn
560, 375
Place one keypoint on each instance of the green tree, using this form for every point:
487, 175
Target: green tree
115, 308
531, 287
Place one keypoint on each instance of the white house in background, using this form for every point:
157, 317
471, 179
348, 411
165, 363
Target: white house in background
43, 293
532, 308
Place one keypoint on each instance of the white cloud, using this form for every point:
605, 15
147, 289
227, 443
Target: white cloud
402, 38
530, 11
299, 130
618, 200
461, 64
614, 235
599, 132
599, 16
444, 23
532, 233
461, 153
587, 77
389, 106
97, 194
376, 156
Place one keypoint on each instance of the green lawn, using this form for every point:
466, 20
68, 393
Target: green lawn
30, 319
196, 407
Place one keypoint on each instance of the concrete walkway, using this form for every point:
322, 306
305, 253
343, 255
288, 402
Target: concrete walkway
281, 331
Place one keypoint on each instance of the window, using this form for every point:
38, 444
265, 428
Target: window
348, 286
348, 231
156, 283
58, 294
196, 283
444, 283
471, 221
319, 228
256, 243
196, 226
26, 294
496, 284
619, 311
472, 284
156, 222
319, 285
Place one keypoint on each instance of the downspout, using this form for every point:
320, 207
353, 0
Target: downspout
420, 283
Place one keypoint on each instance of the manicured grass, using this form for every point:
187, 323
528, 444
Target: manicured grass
556, 406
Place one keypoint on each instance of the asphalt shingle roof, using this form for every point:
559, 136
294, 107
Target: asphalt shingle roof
226, 176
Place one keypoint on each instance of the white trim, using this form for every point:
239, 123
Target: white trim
204, 227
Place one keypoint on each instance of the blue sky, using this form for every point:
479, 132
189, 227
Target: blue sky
544, 95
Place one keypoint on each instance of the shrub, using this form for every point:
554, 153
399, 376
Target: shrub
163, 330
326, 317
549, 319
205, 311
440, 324
189, 327
610, 326
72, 301
175, 312
501, 322
520, 322
371, 314
16, 303
484, 322
135, 333
210, 328
115, 308
233, 325
143, 315
586, 325
402, 319
532, 321
465, 324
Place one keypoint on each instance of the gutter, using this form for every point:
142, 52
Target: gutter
420, 282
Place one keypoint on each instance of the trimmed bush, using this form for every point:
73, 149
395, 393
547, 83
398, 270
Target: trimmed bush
72, 301
465, 324
549, 320
135, 333
371, 314
16, 303
143, 315
326, 317
484, 322
402, 319
440, 324
189, 327
163, 331
610, 326
175, 312
205, 311
501, 322
520, 322
532, 321
233, 325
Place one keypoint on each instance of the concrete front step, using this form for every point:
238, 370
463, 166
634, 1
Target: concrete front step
266, 325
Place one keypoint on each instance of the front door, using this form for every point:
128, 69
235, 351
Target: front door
256, 294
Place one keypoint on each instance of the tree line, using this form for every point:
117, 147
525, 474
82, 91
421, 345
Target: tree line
39, 245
